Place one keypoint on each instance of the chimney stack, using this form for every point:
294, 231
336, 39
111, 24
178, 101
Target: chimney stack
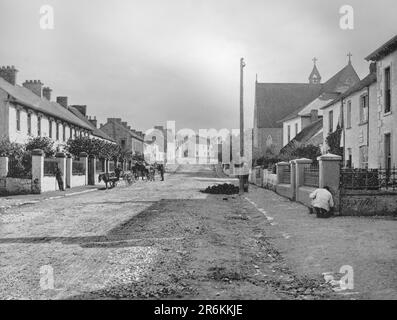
313, 115
47, 93
93, 121
372, 67
63, 101
9, 74
35, 86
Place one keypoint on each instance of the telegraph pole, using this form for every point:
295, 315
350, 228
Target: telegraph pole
241, 177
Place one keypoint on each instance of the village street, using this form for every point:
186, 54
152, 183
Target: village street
167, 240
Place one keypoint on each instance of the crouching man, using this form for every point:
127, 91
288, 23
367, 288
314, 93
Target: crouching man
322, 202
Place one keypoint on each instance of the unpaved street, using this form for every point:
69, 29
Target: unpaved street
150, 241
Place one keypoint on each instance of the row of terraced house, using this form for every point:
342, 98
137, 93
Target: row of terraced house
28, 110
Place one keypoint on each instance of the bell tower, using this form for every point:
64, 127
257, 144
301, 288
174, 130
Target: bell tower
315, 77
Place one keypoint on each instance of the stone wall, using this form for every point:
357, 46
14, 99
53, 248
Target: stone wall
362, 203
11, 186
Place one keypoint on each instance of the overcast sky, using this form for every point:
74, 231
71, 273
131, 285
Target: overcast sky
157, 60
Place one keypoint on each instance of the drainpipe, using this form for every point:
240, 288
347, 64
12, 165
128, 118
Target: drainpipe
343, 130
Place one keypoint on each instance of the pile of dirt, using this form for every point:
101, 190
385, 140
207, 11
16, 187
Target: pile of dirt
225, 188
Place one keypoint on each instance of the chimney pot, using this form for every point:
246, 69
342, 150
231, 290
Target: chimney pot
47, 93
313, 115
35, 86
9, 74
372, 67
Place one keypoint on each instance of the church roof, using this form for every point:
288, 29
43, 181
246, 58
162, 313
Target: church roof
384, 50
330, 90
274, 101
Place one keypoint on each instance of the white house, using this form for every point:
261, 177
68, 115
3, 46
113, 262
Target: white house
27, 111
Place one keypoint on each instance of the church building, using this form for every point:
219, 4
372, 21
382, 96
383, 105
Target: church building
283, 110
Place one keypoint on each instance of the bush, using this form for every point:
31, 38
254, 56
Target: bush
43, 143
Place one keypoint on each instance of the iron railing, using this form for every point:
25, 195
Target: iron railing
369, 179
311, 176
285, 177
50, 165
78, 168
20, 168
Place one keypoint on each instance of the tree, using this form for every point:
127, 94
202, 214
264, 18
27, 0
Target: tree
333, 141
9, 149
43, 143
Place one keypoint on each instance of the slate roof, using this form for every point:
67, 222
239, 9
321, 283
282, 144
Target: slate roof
274, 101
328, 91
384, 50
118, 124
305, 135
367, 81
23, 96
95, 131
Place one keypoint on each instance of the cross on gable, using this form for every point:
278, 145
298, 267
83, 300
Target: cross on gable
315, 60
350, 56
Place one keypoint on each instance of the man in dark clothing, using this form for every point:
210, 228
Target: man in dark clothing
58, 176
117, 172
161, 170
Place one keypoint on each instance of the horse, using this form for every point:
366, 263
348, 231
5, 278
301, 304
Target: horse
105, 177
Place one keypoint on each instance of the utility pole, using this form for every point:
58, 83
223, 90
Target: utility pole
241, 177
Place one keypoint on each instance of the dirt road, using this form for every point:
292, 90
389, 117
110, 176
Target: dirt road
148, 241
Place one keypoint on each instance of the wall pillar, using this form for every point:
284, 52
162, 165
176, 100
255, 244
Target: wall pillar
37, 170
293, 179
91, 170
3, 167
69, 170
61, 159
301, 164
329, 165
84, 159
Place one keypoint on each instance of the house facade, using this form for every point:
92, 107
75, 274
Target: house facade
129, 139
27, 111
367, 114
385, 111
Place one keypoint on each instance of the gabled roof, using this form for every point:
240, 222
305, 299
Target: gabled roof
384, 50
307, 134
23, 96
330, 90
125, 129
95, 131
274, 101
367, 81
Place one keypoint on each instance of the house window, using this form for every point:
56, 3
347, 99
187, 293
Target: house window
364, 108
18, 120
64, 132
57, 133
289, 133
388, 151
39, 126
387, 90
331, 121
349, 115
123, 143
50, 128
29, 124
296, 129
364, 157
